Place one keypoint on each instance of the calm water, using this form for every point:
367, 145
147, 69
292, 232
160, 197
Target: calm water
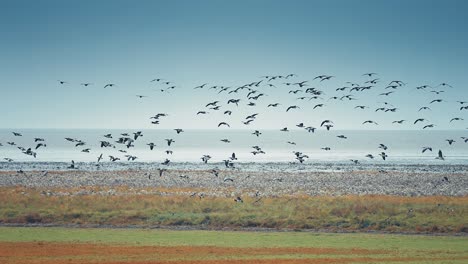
189, 146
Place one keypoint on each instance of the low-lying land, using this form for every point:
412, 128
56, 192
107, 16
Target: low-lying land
125, 206
406, 200
75, 245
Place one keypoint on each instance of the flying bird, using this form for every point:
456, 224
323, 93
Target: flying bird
223, 124
440, 155
292, 107
424, 149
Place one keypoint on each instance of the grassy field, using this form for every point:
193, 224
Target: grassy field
177, 207
62, 245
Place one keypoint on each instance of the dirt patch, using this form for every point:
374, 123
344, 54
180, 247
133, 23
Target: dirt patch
54, 253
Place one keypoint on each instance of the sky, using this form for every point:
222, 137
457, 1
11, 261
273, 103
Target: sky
229, 43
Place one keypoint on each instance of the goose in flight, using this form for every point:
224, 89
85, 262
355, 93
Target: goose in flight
383, 155
456, 119
369, 122
109, 85
253, 116
428, 126
326, 122
398, 121
450, 141
223, 124
424, 149
370, 74
440, 155
342, 136
200, 86
318, 105
40, 145
419, 120
382, 146
234, 101
140, 96
310, 129
212, 104
86, 84
233, 156
108, 136
326, 148
72, 165
179, 130
437, 92
380, 109
228, 112
202, 113
151, 145
445, 84
225, 140
205, 158
399, 83
16, 134
62, 82
99, 158
8, 159
424, 108
292, 107
284, 129
436, 101
137, 134
131, 158
273, 105
169, 141
370, 156
257, 133
387, 93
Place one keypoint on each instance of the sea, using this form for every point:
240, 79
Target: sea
404, 147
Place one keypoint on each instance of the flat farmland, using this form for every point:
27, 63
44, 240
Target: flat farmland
93, 245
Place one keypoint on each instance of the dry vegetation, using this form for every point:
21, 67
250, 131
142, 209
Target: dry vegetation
125, 206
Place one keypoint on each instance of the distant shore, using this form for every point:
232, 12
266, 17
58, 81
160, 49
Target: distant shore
269, 179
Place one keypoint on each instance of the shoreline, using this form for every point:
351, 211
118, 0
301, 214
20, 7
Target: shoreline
309, 166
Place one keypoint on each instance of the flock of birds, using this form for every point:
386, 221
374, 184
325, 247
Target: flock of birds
248, 95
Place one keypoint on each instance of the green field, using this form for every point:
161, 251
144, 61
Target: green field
229, 246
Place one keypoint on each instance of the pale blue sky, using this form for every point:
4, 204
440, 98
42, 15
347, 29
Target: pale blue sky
225, 43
